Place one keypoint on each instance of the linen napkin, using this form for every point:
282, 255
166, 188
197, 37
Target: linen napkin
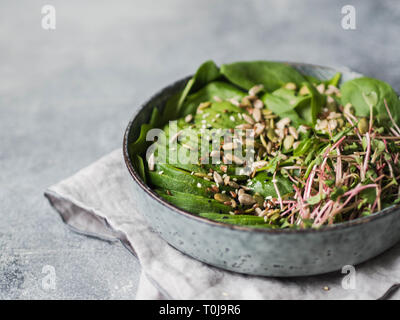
98, 201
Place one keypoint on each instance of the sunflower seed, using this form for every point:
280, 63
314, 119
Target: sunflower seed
259, 164
256, 89
304, 91
332, 124
269, 147
234, 102
186, 146
215, 154
175, 136
282, 123
258, 104
293, 132
229, 146
202, 106
188, 118
246, 199
226, 180
222, 197
332, 90
257, 115
271, 136
247, 118
232, 158
217, 178
151, 162
321, 88
348, 108
258, 129
288, 142
217, 99
290, 86
200, 174
243, 126
246, 103
233, 184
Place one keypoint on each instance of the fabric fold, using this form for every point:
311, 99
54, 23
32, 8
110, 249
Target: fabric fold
97, 201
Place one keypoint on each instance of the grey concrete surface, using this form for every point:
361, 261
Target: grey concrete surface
66, 96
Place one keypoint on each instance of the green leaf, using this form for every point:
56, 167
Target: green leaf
221, 89
171, 108
272, 75
206, 73
316, 199
194, 203
299, 109
369, 195
140, 145
241, 220
139, 166
304, 146
309, 112
337, 192
365, 92
334, 81
262, 183
283, 102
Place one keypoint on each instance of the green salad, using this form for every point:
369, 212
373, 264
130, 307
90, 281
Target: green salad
259, 144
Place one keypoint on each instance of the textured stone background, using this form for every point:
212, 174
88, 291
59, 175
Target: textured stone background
66, 97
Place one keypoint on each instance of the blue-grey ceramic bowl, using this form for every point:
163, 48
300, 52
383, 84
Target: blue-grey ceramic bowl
282, 253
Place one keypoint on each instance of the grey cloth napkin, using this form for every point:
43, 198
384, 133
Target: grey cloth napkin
97, 201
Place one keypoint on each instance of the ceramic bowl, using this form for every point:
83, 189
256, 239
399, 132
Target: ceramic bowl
265, 252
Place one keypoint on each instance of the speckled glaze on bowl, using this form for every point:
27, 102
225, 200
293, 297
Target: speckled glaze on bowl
281, 253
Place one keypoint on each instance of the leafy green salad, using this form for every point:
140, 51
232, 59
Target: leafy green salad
261, 145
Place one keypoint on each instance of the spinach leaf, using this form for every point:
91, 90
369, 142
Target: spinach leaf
365, 92
216, 88
140, 145
243, 220
300, 109
283, 103
334, 81
272, 75
194, 203
262, 183
309, 112
139, 166
206, 73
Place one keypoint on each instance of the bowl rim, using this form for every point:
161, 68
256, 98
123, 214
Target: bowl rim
138, 180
